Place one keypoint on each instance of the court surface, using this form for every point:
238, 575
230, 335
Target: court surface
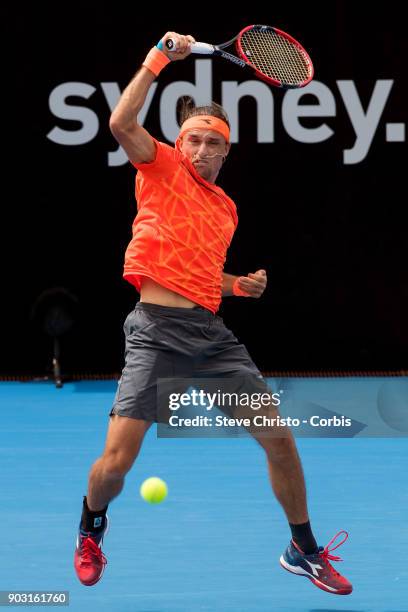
215, 543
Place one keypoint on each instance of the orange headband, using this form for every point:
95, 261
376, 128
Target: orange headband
206, 122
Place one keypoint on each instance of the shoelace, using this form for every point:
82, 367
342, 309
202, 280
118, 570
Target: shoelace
325, 553
91, 551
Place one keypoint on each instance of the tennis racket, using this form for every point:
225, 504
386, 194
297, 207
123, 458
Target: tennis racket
268, 53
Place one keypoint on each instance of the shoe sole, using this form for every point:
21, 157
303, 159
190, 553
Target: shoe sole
298, 571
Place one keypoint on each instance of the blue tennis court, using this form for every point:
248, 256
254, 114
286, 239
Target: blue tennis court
215, 543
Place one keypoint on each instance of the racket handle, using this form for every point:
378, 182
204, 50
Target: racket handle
198, 47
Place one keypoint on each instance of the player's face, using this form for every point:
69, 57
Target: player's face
205, 149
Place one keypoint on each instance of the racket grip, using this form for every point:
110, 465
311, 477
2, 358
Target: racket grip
198, 47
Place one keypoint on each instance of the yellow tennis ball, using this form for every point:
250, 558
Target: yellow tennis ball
153, 490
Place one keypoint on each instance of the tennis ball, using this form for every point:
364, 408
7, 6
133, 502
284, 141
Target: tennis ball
153, 490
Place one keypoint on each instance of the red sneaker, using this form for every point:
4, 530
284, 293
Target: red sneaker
316, 567
89, 560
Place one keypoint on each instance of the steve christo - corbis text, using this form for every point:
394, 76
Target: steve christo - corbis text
257, 421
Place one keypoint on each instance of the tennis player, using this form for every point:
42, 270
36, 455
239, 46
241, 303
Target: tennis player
181, 233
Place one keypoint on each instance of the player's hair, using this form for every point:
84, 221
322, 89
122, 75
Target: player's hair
187, 108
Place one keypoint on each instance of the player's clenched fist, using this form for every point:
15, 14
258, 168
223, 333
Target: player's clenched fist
181, 49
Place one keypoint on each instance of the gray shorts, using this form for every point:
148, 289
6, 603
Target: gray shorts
177, 343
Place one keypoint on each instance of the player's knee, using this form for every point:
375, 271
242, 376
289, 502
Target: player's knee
117, 462
278, 449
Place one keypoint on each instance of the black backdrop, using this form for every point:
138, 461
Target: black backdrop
332, 236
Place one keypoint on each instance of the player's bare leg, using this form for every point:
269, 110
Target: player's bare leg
302, 557
124, 439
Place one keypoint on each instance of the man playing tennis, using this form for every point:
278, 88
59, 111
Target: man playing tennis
181, 234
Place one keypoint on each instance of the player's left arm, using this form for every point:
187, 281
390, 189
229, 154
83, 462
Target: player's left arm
252, 285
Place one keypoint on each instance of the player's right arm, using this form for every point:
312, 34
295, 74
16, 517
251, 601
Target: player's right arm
134, 139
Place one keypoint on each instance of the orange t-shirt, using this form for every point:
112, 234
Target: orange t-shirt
182, 230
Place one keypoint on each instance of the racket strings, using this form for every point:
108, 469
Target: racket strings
275, 56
